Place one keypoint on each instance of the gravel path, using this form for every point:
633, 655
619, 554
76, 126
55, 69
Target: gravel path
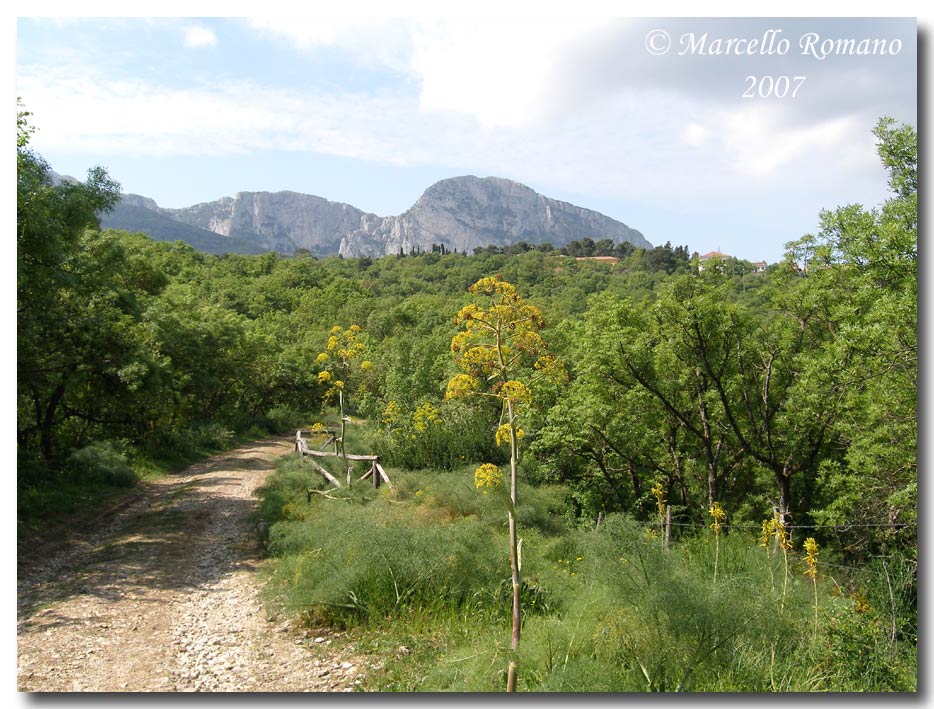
163, 596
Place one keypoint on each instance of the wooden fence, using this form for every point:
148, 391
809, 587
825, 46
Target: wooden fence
374, 473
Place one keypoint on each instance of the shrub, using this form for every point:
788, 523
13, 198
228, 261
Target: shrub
855, 653
348, 567
101, 463
461, 432
280, 419
286, 486
214, 435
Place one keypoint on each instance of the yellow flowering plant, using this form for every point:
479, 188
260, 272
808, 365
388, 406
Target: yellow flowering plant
718, 514
810, 558
487, 476
658, 492
500, 354
426, 416
341, 352
774, 529
765, 538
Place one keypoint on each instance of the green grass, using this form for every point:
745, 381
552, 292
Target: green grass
419, 577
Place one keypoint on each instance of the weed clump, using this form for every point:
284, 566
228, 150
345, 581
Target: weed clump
101, 463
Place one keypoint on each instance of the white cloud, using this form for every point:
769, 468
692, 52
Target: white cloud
695, 135
501, 72
197, 36
306, 32
761, 144
382, 43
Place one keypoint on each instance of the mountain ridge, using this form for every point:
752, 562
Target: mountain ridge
457, 213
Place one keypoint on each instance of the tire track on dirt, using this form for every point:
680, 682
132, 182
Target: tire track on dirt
165, 596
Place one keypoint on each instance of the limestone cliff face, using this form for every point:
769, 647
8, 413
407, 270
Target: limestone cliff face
279, 221
461, 213
466, 212
135, 200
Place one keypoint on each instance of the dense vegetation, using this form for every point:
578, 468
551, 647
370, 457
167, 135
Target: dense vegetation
788, 395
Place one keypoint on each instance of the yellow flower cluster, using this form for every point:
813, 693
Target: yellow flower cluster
774, 527
391, 414
461, 385
487, 476
479, 359
425, 415
718, 514
492, 285
781, 533
343, 345
517, 393
552, 367
341, 349
503, 437
501, 337
659, 493
768, 529
860, 602
810, 557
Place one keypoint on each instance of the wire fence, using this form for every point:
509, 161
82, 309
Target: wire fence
894, 525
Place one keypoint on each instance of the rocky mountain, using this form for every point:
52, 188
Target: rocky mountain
135, 213
459, 213
466, 212
279, 221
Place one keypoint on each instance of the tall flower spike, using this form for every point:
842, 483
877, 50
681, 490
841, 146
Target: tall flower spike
768, 529
718, 514
659, 493
810, 557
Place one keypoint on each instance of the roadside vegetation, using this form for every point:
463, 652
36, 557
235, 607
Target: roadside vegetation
417, 576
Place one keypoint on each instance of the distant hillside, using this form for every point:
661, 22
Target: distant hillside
460, 213
130, 217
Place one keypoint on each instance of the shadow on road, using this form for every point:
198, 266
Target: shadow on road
195, 530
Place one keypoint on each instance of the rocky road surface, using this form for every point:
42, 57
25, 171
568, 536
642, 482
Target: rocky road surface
163, 595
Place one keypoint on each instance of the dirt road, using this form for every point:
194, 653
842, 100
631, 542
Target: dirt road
164, 596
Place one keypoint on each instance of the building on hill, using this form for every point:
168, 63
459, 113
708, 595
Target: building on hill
757, 266
713, 254
704, 258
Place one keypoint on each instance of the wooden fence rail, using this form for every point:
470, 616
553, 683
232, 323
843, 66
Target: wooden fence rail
375, 472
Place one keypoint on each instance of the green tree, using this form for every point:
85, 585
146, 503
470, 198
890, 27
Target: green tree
75, 306
862, 268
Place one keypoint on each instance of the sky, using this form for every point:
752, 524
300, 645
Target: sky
642, 119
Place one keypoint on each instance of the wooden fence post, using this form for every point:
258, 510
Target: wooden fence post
667, 525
